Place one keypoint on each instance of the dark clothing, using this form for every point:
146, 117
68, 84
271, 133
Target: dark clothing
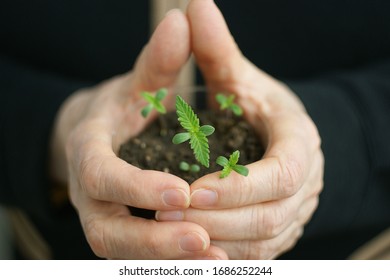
334, 54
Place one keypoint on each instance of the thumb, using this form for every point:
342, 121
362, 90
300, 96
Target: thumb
162, 58
215, 50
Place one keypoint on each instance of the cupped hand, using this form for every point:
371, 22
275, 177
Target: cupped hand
89, 129
262, 215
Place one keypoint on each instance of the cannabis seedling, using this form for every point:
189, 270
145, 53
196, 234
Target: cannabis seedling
231, 164
185, 166
227, 103
154, 102
195, 133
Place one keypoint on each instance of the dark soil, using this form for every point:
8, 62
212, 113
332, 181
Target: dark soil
153, 148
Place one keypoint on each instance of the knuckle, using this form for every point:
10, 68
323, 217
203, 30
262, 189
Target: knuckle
259, 250
289, 176
89, 175
267, 224
291, 242
272, 223
95, 234
243, 191
253, 252
136, 193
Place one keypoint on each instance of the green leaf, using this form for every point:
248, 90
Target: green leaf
146, 110
160, 107
230, 100
240, 169
222, 161
236, 110
161, 93
225, 171
184, 166
154, 102
200, 146
233, 159
228, 103
197, 135
231, 164
186, 116
221, 98
207, 129
181, 138
147, 96
194, 168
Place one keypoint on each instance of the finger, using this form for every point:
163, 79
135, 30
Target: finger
213, 253
261, 249
214, 48
162, 58
262, 221
280, 174
113, 233
316, 176
103, 176
285, 166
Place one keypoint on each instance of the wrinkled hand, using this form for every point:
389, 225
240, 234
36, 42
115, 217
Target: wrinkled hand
262, 215
91, 125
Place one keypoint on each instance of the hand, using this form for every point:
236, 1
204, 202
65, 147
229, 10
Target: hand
91, 125
262, 215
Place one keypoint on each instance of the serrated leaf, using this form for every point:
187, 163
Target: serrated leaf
233, 159
186, 116
240, 169
225, 171
231, 164
181, 138
200, 146
198, 136
207, 129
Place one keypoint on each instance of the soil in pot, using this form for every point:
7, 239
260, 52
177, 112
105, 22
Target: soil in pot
153, 148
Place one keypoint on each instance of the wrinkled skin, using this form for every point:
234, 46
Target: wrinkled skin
254, 217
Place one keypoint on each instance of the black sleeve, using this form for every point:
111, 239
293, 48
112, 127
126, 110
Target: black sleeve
352, 113
30, 99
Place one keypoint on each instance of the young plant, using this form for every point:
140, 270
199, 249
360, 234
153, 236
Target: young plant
196, 134
185, 166
231, 164
154, 102
227, 103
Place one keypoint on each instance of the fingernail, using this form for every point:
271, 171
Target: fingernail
169, 215
192, 242
175, 197
203, 197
